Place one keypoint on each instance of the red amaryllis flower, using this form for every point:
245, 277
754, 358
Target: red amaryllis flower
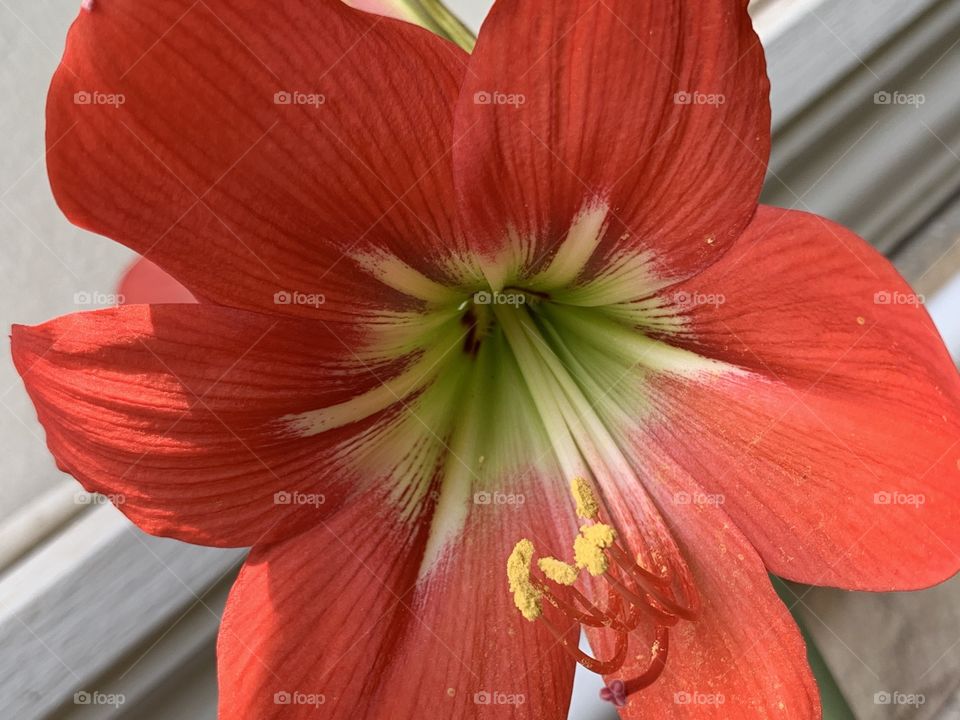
436, 289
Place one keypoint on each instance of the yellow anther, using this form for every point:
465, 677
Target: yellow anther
603, 536
587, 506
525, 596
589, 545
560, 572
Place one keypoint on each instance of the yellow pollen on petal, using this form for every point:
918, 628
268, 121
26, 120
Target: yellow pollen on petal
589, 545
525, 596
587, 506
557, 570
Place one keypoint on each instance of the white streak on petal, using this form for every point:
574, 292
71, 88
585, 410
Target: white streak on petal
629, 276
388, 392
630, 345
503, 268
450, 516
395, 273
392, 335
665, 358
577, 248
314, 422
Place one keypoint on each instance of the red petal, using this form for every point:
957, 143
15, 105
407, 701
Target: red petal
144, 283
837, 453
744, 656
340, 612
172, 410
249, 147
569, 105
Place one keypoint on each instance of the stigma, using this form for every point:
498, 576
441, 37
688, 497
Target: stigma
637, 598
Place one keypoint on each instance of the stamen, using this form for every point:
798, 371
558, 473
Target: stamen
654, 591
592, 616
624, 560
526, 597
558, 571
589, 545
662, 617
587, 506
634, 594
593, 664
658, 661
613, 612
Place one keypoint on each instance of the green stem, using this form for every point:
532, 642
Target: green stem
437, 18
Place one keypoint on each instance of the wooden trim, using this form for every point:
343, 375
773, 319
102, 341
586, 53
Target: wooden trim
22, 532
812, 44
881, 170
92, 596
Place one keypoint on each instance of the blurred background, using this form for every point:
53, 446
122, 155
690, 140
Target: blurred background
867, 132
